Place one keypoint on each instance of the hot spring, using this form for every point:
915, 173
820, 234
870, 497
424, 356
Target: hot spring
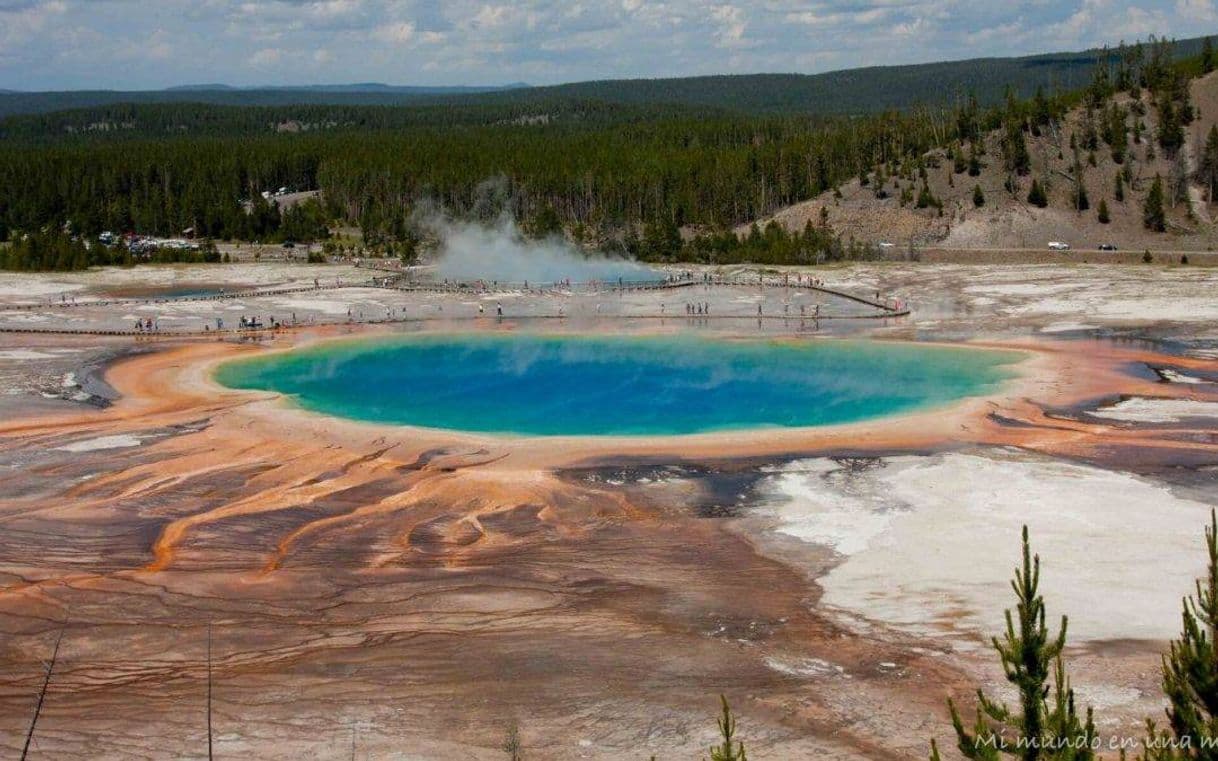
607, 385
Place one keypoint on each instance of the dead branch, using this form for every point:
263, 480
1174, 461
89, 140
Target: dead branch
42, 694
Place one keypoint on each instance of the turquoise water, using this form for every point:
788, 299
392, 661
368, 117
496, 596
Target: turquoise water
601, 385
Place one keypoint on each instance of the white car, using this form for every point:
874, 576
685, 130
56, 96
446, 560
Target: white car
1055, 245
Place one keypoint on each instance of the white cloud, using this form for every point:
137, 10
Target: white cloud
159, 46
20, 20
847, 17
1201, 11
335, 8
266, 57
732, 23
491, 16
492, 41
398, 32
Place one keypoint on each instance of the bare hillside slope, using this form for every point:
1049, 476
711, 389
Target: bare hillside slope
875, 212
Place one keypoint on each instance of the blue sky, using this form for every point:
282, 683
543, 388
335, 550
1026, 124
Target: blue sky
133, 44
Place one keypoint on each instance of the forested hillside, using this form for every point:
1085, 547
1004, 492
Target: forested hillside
708, 171
859, 91
854, 91
127, 120
646, 178
14, 102
1130, 164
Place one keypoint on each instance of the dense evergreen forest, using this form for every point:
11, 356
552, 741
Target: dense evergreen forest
605, 174
859, 91
18, 102
57, 250
596, 179
130, 120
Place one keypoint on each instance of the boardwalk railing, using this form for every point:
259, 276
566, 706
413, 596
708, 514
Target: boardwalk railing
884, 309
248, 294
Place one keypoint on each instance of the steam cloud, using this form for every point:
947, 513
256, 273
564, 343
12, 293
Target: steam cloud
498, 251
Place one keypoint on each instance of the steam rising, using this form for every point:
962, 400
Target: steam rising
497, 250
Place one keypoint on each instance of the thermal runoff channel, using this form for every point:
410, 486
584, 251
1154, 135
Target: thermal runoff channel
596, 385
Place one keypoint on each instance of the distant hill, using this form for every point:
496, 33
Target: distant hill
16, 103
851, 91
358, 87
199, 88
378, 87
117, 121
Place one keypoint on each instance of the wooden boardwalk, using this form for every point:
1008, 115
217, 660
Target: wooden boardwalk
884, 310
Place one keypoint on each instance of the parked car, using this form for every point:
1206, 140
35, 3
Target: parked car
1056, 245
1108, 247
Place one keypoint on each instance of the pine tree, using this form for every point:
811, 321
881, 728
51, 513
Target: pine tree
1037, 196
1171, 125
1103, 215
978, 197
410, 249
545, 223
1042, 112
1039, 729
1208, 171
926, 199
512, 745
1015, 150
1207, 56
1190, 674
1081, 201
1184, 95
1118, 188
662, 239
1078, 195
727, 730
1101, 82
1153, 215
